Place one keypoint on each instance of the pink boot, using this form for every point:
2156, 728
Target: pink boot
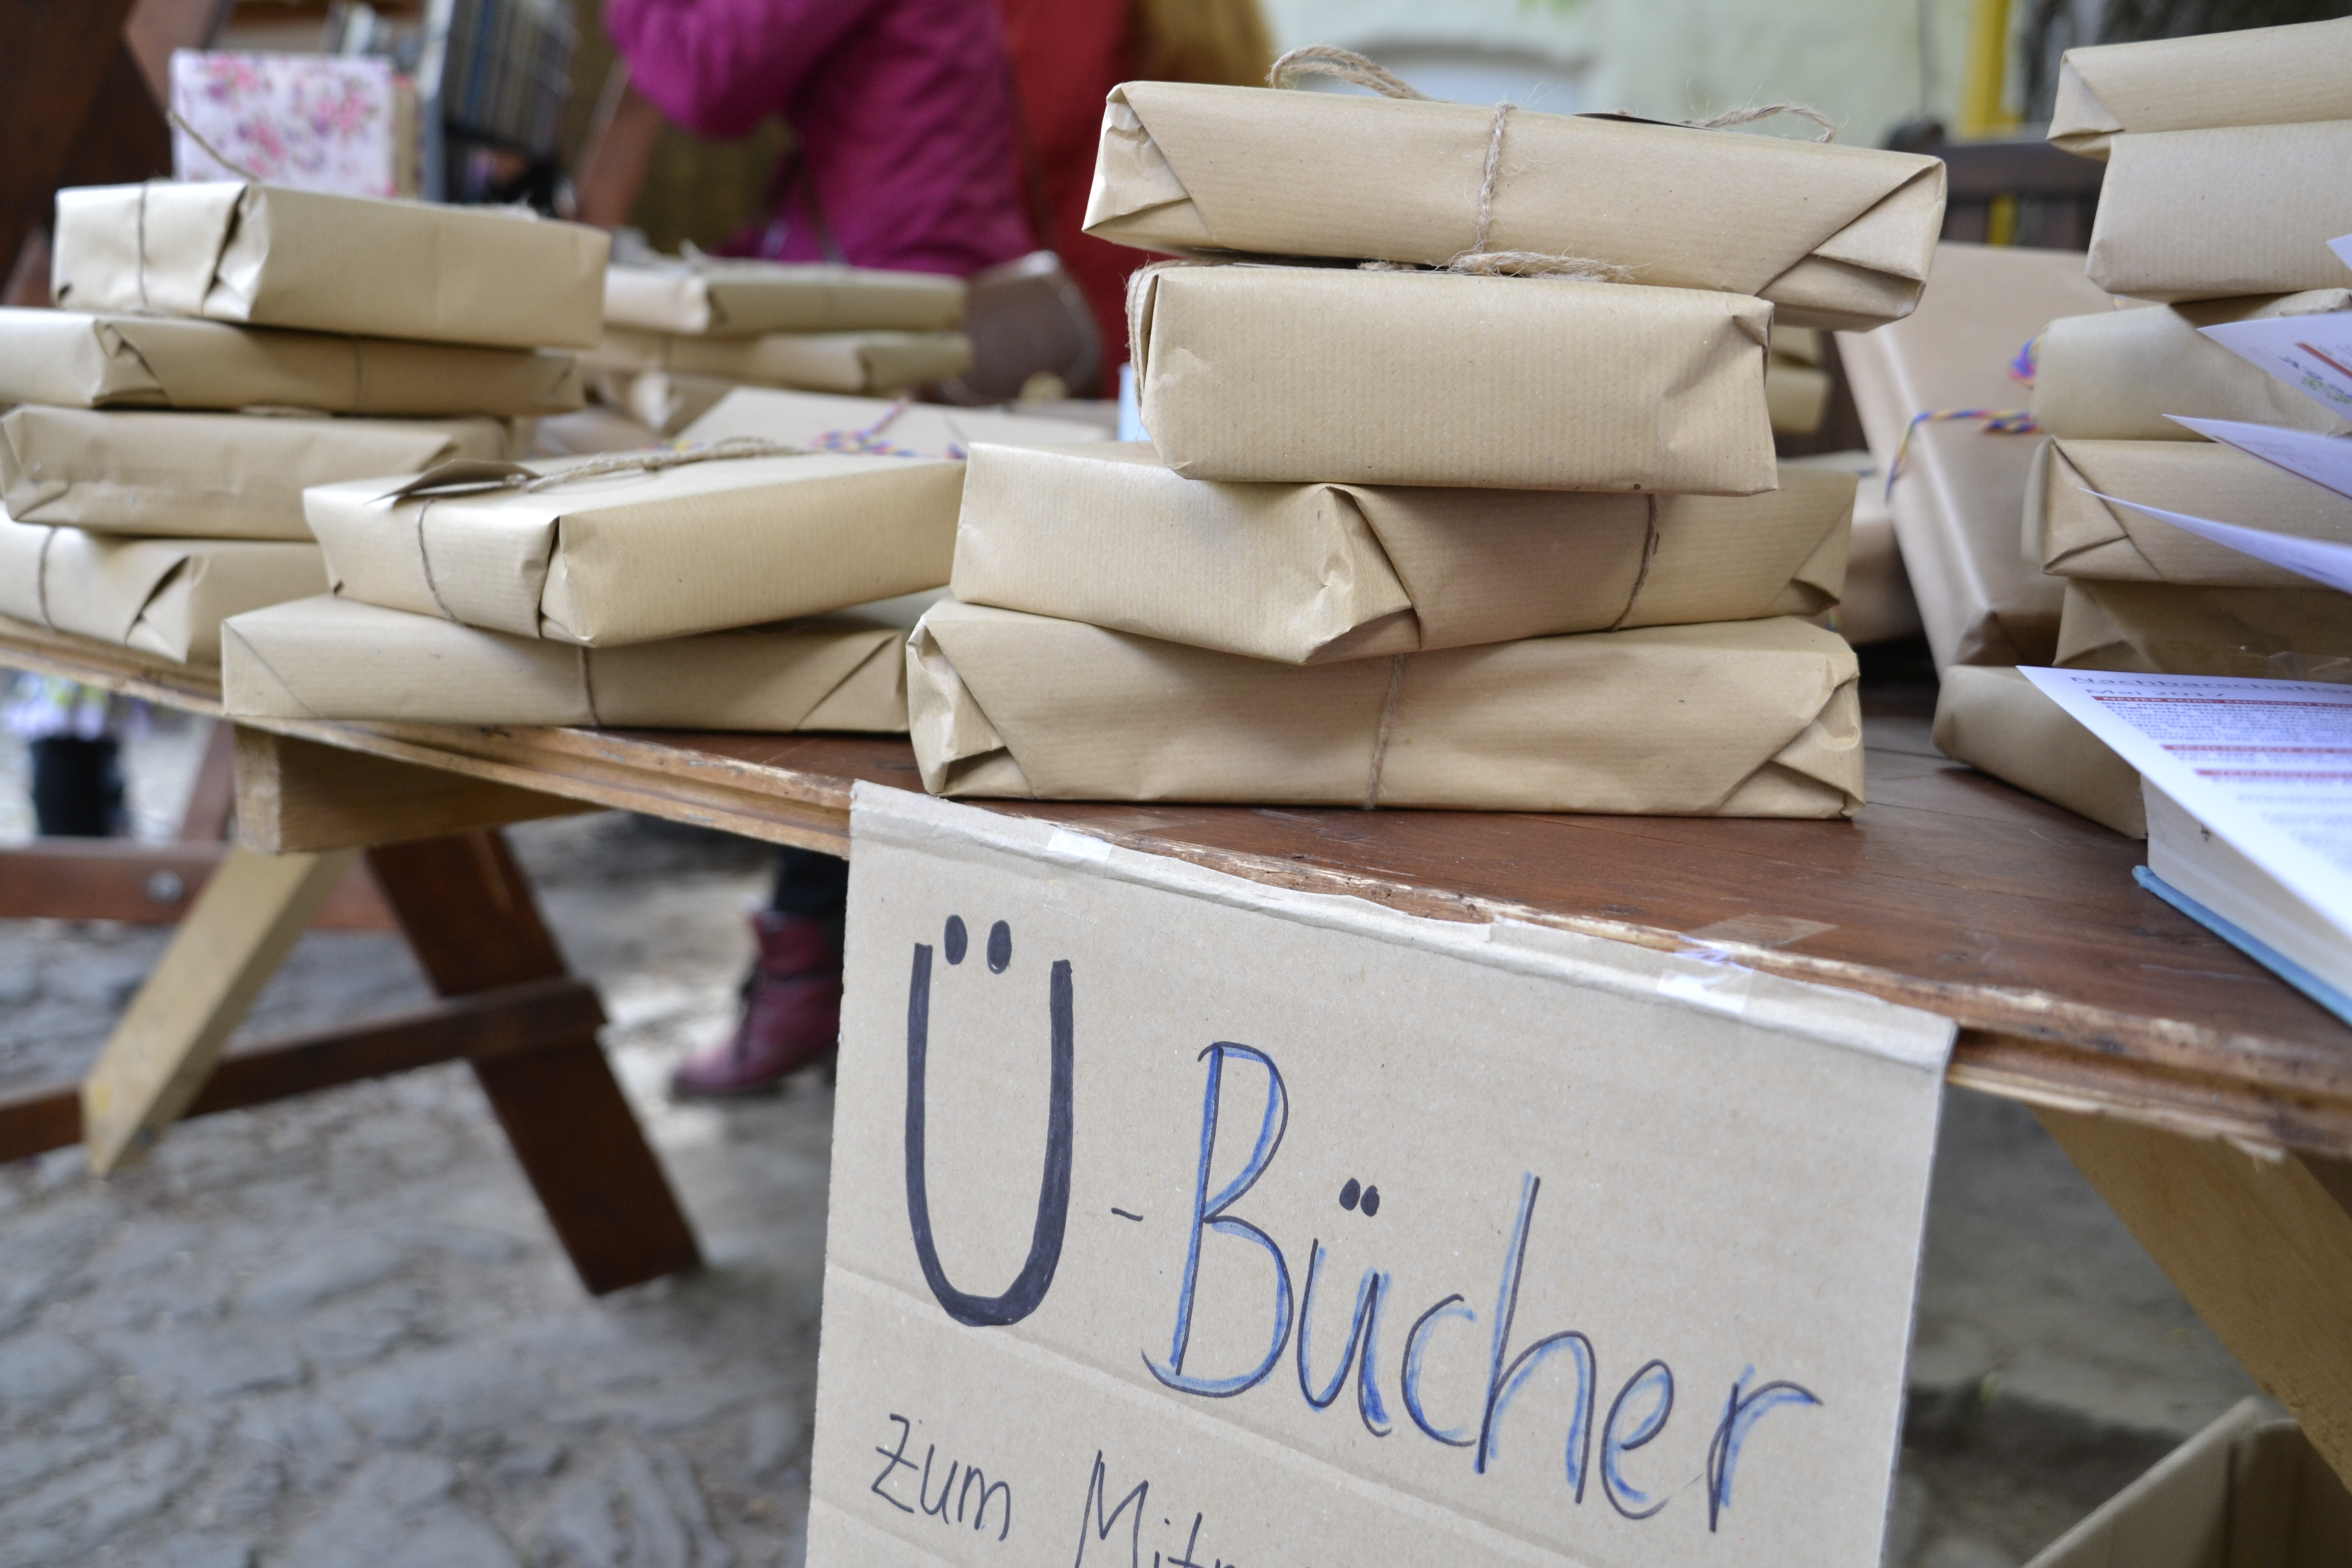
791, 1013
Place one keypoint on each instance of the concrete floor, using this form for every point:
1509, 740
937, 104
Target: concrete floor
337, 1331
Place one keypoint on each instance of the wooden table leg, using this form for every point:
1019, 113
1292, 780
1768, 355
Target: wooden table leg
2261, 1246
470, 914
237, 933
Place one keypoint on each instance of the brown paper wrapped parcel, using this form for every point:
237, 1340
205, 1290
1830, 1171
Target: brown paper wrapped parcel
268, 256
1750, 718
610, 558
2115, 375
1307, 374
77, 360
2076, 534
2236, 209
2261, 76
1309, 573
928, 429
1961, 490
1875, 604
209, 475
2161, 629
330, 658
2000, 722
729, 299
819, 361
163, 597
1836, 237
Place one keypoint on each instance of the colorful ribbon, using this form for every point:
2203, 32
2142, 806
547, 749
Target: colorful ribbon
1998, 422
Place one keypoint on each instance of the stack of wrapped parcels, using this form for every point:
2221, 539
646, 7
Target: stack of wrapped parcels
752, 578
2225, 180
1432, 532
681, 333
221, 346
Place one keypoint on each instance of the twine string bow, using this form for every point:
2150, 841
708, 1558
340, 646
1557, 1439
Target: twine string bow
1482, 259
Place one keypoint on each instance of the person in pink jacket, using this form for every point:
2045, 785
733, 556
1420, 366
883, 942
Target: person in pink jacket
902, 111
905, 158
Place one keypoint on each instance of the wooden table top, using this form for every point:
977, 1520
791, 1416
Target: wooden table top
1951, 891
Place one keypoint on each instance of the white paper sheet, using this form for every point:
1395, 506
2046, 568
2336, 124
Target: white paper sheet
2267, 764
2311, 353
2321, 560
2325, 460
2342, 249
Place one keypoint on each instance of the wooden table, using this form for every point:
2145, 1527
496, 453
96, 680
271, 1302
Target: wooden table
2210, 1103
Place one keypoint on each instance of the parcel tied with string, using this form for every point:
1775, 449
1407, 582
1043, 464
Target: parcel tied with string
2120, 376
724, 298
162, 596
77, 360
330, 658
624, 550
1310, 375
2075, 533
270, 255
209, 475
1309, 573
1833, 236
1745, 718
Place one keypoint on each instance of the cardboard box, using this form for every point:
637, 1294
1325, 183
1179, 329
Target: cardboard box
1960, 492
2076, 534
1998, 721
638, 555
1401, 1279
864, 362
2116, 375
1309, 573
209, 475
77, 360
163, 597
2158, 628
267, 256
1750, 719
1834, 237
2249, 1491
2260, 76
2207, 215
330, 658
1304, 374
873, 423
715, 297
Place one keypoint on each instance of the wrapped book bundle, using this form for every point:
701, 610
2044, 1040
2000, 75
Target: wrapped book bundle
162, 596
1947, 422
860, 363
1833, 236
2120, 376
2270, 633
2225, 156
709, 297
2074, 532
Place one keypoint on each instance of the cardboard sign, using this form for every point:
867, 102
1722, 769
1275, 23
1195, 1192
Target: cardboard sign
1184, 1222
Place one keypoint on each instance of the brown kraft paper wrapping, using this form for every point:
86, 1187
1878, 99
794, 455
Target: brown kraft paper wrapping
163, 597
1961, 491
818, 361
2209, 215
1309, 573
1998, 721
2115, 375
729, 299
1834, 237
636, 555
330, 658
1310, 375
209, 475
1750, 718
76, 361
268, 256
2261, 76
814, 419
2077, 534
2158, 628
